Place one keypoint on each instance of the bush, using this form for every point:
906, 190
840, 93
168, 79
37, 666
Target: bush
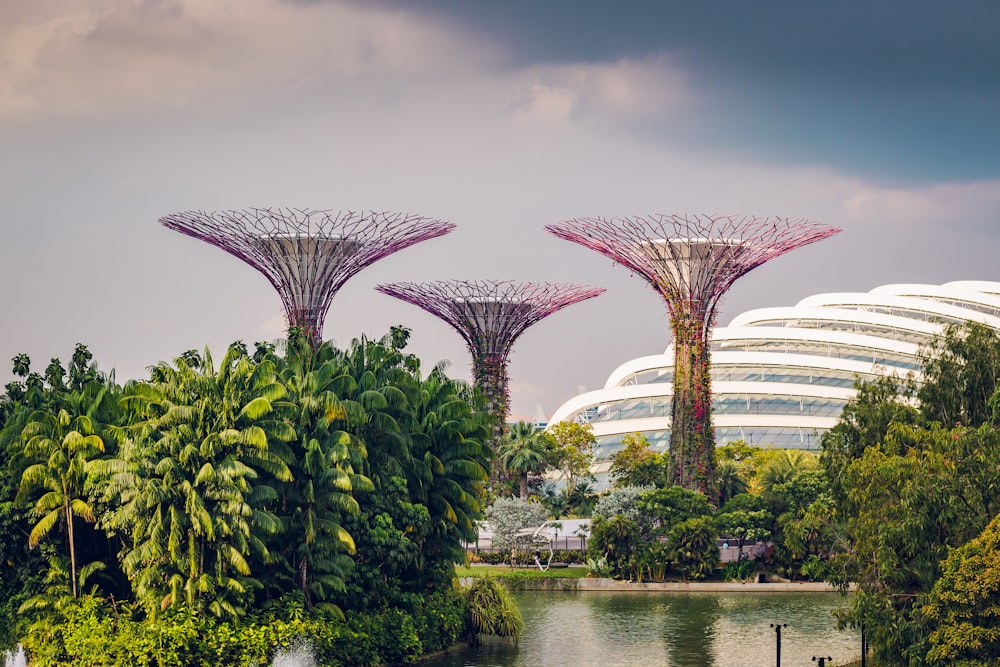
692, 548
90, 631
614, 539
739, 570
527, 557
509, 515
492, 610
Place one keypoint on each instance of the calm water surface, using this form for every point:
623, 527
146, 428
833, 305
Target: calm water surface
604, 629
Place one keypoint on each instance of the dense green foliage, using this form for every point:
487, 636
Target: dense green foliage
214, 513
910, 485
964, 604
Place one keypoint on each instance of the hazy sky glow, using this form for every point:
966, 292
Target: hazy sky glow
499, 117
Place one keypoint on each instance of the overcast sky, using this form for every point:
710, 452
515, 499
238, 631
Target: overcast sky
882, 118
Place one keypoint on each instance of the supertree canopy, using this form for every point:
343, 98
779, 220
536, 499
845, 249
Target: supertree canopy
691, 260
307, 254
490, 315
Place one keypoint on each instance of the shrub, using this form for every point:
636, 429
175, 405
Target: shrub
692, 548
492, 610
509, 515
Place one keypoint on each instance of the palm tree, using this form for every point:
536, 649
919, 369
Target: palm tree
64, 446
187, 488
729, 481
526, 450
785, 467
449, 441
323, 460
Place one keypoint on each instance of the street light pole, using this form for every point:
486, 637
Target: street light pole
821, 661
777, 632
864, 647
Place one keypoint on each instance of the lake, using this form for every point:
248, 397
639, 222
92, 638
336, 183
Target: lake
668, 629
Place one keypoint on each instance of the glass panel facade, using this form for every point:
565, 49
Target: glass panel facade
959, 303
659, 441
823, 349
866, 329
727, 404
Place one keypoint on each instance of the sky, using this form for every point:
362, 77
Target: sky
881, 118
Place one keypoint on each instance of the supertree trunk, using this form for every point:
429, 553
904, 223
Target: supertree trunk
691, 260
490, 375
490, 315
691, 461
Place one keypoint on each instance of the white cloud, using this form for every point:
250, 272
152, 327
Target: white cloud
627, 90
67, 60
955, 205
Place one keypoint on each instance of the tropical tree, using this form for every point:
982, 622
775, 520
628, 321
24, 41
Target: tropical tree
509, 516
635, 464
960, 375
526, 450
673, 505
909, 510
427, 460
729, 480
314, 545
744, 526
864, 422
572, 451
692, 547
965, 602
184, 489
65, 446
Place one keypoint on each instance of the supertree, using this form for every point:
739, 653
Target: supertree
490, 315
307, 254
691, 261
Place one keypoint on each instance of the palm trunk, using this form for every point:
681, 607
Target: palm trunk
304, 580
72, 545
524, 486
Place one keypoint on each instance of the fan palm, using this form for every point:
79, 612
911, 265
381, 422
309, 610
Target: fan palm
527, 450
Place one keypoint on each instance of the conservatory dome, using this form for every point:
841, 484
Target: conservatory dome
781, 376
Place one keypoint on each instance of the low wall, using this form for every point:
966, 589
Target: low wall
601, 584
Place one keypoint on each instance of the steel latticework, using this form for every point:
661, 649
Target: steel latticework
691, 261
307, 254
490, 315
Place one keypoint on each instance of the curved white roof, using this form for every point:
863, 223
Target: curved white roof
781, 375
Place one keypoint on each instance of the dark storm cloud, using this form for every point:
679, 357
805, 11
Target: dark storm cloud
898, 91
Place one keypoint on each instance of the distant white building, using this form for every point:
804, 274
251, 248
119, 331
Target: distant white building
781, 376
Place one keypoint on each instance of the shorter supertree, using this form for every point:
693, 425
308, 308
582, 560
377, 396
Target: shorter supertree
307, 254
691, 261
490, 315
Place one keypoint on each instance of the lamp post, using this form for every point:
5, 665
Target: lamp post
821, 661
864, 647
777, 632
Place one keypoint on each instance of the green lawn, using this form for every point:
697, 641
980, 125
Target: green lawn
506, 571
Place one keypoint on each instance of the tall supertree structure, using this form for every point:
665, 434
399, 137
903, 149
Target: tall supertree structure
490, 315
691, 261
307, 254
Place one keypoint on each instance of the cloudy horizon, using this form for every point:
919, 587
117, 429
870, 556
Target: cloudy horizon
498, 117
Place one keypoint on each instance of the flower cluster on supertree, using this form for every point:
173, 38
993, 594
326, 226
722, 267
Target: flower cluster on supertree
307, 254
490, 315
691, 261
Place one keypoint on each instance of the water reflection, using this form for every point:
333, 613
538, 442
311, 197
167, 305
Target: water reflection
689, 629
603, 629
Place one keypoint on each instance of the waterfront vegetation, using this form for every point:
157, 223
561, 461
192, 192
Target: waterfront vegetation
216, 512
220, 510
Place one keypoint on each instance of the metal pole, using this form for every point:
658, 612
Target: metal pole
777, 632
821, 661
864, 647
